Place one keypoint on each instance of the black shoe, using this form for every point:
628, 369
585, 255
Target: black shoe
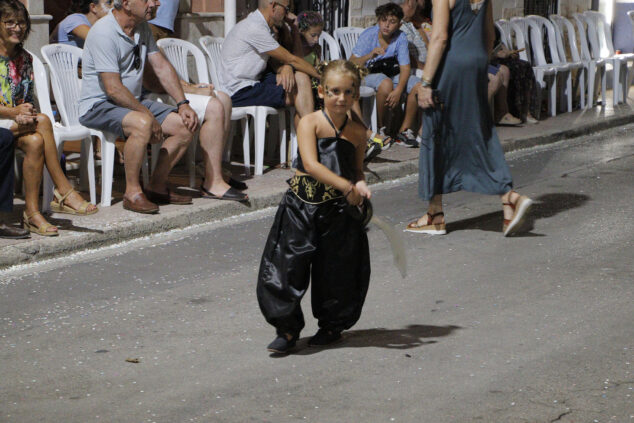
239, 185
324, 337
407, 139
282, 345
13, 232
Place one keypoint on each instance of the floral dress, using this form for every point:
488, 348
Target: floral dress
16, 82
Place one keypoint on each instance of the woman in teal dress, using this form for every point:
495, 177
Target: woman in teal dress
460, 148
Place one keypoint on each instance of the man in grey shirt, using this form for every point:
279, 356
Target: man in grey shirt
115, 54
246, 74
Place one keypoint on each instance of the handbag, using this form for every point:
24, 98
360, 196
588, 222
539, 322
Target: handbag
388, 67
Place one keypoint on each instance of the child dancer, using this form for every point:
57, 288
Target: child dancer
315, 235
310, 25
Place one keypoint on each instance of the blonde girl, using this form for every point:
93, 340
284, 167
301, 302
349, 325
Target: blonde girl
315, 234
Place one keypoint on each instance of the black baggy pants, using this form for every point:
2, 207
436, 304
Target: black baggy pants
322, 242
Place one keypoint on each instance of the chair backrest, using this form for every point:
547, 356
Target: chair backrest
547, 29
519, 32
329, 47
212, 46
565, 31
586, 54
347, 36
604, 31
504, 27
63, 60
40, 80
177, 52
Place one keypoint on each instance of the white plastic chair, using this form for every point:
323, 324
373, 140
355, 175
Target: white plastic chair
595, 65
587, 73
212, 46
329, 47
347, 37
600, 37
545, 75
63, 60
540, 30
504, 27
63, 133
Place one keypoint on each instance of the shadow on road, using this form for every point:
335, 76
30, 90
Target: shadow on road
399, 339
546, 205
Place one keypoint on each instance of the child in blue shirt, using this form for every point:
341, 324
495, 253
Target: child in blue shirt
383, 49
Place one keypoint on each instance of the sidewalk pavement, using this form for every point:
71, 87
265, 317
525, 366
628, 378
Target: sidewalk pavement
114, 224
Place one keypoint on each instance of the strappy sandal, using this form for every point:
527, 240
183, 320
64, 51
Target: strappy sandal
428, 228
59, 206
43, 229
520, 208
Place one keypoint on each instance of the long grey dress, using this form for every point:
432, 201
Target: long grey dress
460, 149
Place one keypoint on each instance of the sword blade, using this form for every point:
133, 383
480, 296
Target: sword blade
396, 244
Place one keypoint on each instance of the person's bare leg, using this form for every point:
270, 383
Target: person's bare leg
172, 150
384, 89
509, 197
212, 136
45, 130
225, 100
501, 102
411, 108
137, 127
33, 147
304, 103
434, 208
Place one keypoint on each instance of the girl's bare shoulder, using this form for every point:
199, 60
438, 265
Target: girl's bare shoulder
310, 119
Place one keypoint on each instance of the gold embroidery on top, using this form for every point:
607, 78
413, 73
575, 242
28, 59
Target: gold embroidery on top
312, 191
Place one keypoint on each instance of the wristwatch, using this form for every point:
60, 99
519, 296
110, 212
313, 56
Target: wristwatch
424, 83
180, 103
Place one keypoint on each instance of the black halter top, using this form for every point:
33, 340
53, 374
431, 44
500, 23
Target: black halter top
336, 153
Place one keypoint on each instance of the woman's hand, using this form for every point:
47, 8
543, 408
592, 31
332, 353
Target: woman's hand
363, 189
393, 98
425, 99
25, 109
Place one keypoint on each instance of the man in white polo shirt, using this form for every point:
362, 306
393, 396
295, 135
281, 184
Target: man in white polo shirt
245, 56
115, 53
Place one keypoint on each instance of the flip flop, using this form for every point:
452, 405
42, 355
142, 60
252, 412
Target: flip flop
239, 185
231, 194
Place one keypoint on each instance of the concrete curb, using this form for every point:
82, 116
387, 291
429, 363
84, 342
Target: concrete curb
40, 248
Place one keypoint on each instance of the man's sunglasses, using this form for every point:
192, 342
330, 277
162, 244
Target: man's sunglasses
137, 57
287, 9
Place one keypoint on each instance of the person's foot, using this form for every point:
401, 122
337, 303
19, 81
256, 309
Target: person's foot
13, 232
76, 201
35, 222
407, 139
509, 120
324, 337
282, 344
168, 197
516, 209
531, 119
430, 223
139, 203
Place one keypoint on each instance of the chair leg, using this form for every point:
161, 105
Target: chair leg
582, 75
283, 134
616, 81
552, 103
569, 91
293, 143
260, 134
87, 168
191, 161
107, 167
246, 148
604, 85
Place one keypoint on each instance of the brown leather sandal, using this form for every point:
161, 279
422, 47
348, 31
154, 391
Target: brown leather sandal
428, 228
520, 208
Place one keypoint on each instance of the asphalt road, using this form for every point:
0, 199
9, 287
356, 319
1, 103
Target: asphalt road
535, 328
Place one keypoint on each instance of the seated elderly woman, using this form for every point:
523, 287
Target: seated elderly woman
33, 131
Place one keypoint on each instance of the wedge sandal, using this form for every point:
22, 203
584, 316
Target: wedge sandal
43, 229
520, 209
428, 228
59, 205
